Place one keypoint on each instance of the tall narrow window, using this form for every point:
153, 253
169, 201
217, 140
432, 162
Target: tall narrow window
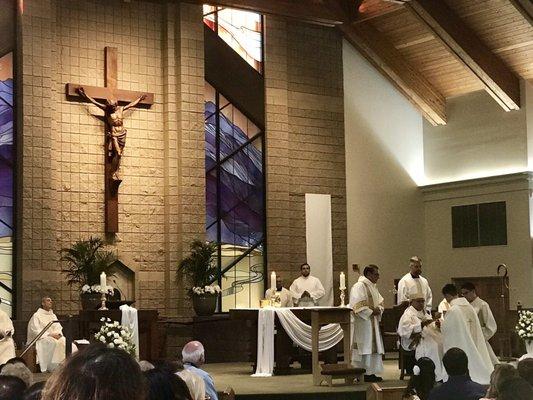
7, 154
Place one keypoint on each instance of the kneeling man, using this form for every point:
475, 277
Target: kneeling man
51, 346
419, 332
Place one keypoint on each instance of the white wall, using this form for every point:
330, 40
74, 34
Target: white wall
384, 164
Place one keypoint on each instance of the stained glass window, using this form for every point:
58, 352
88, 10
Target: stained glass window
242, 30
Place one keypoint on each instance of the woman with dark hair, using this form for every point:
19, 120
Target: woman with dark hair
501, 374
97, 373
34, 391
515, 389
166, 385
422, 381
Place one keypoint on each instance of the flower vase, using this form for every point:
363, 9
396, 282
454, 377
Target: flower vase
204, 304
90, 301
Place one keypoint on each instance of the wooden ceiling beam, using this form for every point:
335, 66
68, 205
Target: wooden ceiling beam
524, 7
499, 81
390, 63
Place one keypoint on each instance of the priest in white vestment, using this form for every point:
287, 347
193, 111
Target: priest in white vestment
484, 314
306, 289
461, 328
414, 282
7, 345
51, 346
419, 332
367, 305
282, 297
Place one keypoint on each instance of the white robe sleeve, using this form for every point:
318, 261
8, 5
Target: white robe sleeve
429, 298
359, 301
408, 325
487, 321
34, 328
402, 292
318, 290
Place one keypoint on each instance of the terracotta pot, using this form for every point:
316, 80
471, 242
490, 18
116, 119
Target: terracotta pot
204, 304
90, 301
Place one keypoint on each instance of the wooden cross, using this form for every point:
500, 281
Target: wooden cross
115, 131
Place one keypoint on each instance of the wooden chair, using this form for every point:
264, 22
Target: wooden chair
406, 362
341, 371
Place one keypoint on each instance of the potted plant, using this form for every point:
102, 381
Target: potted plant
200, 270
85, 261
524, 330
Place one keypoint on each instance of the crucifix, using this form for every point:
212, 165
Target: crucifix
108, 98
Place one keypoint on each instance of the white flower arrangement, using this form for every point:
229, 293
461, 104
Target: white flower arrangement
109, 290
114, 335
524, 329
211, 289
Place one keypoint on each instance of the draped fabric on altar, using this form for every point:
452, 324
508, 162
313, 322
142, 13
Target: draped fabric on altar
297, 330
131, 320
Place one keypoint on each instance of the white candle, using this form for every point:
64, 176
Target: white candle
342, 281
273, 281
103, 280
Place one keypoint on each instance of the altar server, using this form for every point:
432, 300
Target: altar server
461, 328
484, 314
281, 296
306, 289
7, 345
367, 305
415, 282
51, 346
419, 332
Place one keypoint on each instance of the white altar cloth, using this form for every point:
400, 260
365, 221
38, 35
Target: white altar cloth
297, 330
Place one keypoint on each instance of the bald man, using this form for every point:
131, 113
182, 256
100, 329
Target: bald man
193, 357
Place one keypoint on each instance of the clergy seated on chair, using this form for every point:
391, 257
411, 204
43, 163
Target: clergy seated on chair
7, 345
281, 296
367, 305
419, 332
412, 282
51, 346
193, 357
461, 328
306, 290
459, 386
484, 314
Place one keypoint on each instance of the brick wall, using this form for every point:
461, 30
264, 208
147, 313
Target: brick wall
305, 139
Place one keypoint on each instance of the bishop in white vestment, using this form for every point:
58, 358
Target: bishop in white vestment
484, 314
461, 328
7, 345
306, 289
51, 346
419, 332
367, 305
414, 282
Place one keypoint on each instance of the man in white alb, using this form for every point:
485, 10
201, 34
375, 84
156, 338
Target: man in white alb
461, 328
282, 297
484, 313
7, 345
306, 290
51, 346
419, 332
367, 305
414, 282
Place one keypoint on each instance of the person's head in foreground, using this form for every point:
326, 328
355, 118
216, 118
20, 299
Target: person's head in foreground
525, 370
20, 371
423, 379
515, 389
501, 374
456, 362
34, 391
164, 385
11, 388
449, 292
193, 353
96, 373
194, 382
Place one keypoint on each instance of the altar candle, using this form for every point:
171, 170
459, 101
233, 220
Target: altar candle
342, 281
103, 280
273, 281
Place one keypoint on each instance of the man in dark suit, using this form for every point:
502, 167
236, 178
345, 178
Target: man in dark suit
459, 385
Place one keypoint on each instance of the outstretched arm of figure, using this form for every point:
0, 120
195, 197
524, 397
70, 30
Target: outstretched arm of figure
135, 102
82, 93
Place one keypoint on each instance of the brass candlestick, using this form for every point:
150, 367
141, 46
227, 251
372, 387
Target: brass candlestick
342, 298
103, 306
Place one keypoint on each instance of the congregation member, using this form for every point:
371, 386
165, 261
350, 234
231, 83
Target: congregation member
525, 370
164, 384
516, 389
485, 316
459, 386
501, 374
51, 346
97, 373
413, 281
194, 382
419, 332
7, 345
11, 388
306, 290
193, 357
34, 391
367, 305
281, 295
422, 381
461, 328
20, 371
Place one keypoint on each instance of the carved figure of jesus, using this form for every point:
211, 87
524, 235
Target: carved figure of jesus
115, 130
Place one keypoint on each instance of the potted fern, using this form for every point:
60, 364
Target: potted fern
200, 269
85, 261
